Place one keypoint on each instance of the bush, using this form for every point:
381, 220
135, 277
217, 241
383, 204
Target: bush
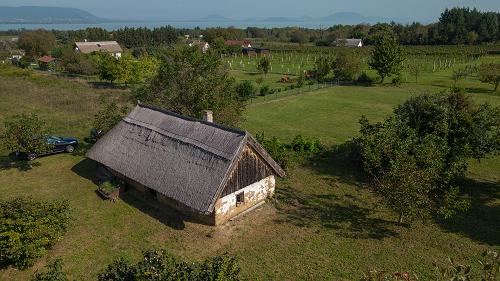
265, 90
245, 90
28, 228
364, 78
108, 116
160, 265
286, 153
396, 81
52, 272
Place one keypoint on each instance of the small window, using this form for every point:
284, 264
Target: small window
240, 199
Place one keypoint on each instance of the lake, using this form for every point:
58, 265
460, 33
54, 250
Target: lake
177, 24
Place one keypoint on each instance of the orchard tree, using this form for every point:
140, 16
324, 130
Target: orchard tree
416, 69
108, 68
189, 81
264, 65
416, 155
109, 115
387, 58
346, 67
323, 67
24, 133
490, 73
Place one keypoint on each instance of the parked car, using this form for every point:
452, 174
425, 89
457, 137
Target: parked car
54, 145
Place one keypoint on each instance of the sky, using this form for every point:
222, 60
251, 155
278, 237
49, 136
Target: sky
403, 10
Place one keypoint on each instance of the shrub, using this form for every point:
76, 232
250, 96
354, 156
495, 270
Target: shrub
245, 90
346, 67
52, 272
364, 78
108, 116
396, 81
28, 228
160, 265
286, 153
265, 90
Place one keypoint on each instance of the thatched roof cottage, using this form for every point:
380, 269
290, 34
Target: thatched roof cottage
209, 171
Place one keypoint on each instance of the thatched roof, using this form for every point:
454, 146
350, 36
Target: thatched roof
186, 159
104, 46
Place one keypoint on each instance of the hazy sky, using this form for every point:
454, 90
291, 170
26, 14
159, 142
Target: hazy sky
418, 10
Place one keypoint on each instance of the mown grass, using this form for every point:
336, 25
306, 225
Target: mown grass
324, 224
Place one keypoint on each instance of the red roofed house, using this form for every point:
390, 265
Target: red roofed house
45, 62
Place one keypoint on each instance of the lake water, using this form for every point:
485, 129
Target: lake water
177, 24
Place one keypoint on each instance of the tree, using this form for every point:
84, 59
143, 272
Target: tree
109, 115
416, 69
36, 43
28, 228
246, 90
396, 152
490, 73
76, 63
108, 68
346, 67
24, 133
264, 65
387, 58
299, 36
189, 82
323, 67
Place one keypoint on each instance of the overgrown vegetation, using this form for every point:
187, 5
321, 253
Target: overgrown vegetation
160, 265
28, 228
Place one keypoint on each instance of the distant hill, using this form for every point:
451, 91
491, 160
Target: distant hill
37, 14
337, 18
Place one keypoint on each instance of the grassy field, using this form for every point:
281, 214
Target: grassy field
323, 225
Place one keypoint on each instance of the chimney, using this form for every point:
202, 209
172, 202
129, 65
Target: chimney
208, 116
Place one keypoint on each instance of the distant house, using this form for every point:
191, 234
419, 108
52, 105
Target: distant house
45, 62
111, 47
245, 44
204, 46
352, 43
203, 169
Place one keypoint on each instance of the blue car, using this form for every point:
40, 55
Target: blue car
54, 145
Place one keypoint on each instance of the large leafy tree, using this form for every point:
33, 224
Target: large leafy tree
37, 43
109, 68
387, 58
24, 133
416, 155
189, 81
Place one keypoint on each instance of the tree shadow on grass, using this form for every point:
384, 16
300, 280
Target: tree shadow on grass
347, 214
347, 218
88, 169
482, 222
8, 162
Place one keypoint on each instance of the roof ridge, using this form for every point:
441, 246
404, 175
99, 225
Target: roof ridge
188, 118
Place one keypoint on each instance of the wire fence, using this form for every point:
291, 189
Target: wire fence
292, 92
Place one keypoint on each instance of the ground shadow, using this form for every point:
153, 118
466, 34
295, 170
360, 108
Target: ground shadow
107, 85
347, 218
348, 214
88, 169
10, 162
482, 222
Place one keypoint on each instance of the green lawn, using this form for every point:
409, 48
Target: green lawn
324, 225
